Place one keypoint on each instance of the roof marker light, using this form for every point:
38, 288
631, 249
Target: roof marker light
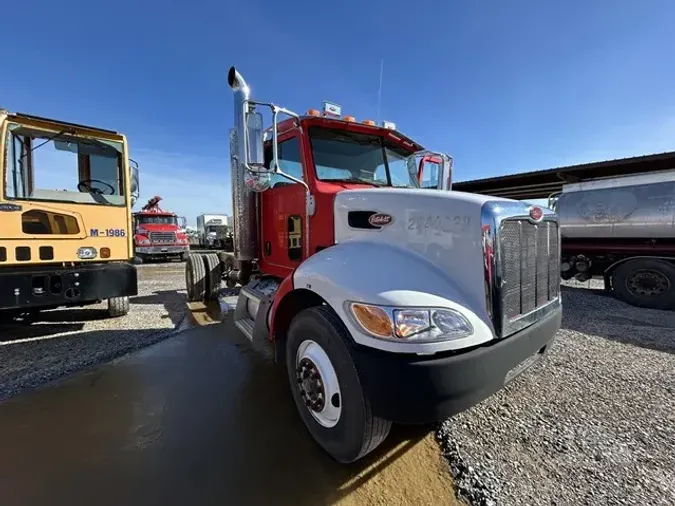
313, 112
331, 109
351, 119
369, 122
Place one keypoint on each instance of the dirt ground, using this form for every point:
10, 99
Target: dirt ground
195, 417
63, 341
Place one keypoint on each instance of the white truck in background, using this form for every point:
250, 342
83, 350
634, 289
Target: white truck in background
212, 230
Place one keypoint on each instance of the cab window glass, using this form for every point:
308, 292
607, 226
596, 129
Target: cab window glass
290, 162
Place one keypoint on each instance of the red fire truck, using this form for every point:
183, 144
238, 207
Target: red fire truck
383, 301
159, 234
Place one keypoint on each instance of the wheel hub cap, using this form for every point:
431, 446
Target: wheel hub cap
648, 282
317, 383
311, 385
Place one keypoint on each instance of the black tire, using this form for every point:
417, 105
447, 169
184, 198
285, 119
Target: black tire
645, 282
213, 275
195, 278
118, 306
358, 431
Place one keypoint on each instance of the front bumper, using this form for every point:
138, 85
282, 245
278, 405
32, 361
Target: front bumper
45, 286
416, 389
162, 250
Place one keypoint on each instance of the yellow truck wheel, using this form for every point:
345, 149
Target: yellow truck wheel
118, 306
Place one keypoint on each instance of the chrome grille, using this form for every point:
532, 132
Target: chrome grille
162, 237
530, 269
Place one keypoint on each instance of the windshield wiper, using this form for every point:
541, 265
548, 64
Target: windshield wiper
357, 180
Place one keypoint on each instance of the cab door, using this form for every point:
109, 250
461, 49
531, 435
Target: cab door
283, 211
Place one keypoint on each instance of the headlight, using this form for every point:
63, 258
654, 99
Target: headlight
411, 324
143, 240
86, 253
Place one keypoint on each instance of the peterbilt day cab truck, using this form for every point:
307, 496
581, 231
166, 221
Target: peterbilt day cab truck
384, 302
621, 230
65, 216
159, 234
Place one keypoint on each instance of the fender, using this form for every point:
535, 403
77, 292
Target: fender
285, 287
608, 271
385, 274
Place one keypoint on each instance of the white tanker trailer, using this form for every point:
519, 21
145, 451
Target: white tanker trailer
623, 230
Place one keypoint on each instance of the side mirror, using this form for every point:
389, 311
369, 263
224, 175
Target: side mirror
182, 222
553, 201
258, 178
432, 170
258, 181
253, 139
135, 183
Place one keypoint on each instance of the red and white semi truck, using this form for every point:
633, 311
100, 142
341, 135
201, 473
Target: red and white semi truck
159, 234
384, 302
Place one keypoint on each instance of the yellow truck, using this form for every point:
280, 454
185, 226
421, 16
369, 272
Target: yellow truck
65, 216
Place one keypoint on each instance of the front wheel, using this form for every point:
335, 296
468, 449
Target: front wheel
645, 282
326, 387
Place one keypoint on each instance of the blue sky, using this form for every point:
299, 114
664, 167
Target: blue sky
502, 86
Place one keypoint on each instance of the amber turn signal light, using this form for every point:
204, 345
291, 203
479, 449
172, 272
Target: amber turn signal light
374, 319
104, 252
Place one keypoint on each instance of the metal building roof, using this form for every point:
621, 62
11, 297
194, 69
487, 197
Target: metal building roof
542, 183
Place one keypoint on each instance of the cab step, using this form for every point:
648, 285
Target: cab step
250, 315
246, 326
248, 296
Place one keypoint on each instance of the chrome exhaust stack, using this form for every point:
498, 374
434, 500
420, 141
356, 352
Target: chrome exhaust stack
243, 199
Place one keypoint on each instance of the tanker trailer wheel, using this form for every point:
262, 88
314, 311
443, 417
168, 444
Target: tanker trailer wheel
195, 278
118, 306
645, 282
213, 275
326, 387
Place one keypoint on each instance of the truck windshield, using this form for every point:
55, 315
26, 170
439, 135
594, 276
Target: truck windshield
58, 167
352, 157
158, 220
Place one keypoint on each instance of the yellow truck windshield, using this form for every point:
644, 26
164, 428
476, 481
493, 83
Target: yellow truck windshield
58, 167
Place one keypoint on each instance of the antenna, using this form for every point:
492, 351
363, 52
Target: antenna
379, 91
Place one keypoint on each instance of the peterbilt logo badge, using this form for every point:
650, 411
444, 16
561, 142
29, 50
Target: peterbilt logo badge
381, 220
536, 214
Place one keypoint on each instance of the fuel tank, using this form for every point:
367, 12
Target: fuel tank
636, 207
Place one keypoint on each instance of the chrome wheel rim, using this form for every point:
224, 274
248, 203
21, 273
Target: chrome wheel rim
317, 383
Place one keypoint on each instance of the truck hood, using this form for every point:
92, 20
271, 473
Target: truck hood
158, 227
443, 227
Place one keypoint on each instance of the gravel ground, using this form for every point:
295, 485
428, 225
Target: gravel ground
592, 424
66, 340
